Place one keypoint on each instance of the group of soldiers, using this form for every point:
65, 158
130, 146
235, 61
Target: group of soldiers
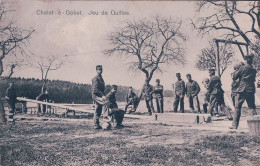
243, 88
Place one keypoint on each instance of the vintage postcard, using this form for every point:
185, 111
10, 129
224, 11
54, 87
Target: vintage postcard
129, 82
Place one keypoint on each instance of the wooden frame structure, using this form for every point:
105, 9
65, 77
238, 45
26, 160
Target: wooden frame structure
229, 42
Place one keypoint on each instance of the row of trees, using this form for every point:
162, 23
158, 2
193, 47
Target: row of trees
62, 91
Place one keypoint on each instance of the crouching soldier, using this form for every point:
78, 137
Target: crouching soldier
114, 112
131, 99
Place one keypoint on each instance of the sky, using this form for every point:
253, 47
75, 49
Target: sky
83, 39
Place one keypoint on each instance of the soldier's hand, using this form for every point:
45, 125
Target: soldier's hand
104, 98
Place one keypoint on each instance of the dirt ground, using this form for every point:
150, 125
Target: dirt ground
54, 140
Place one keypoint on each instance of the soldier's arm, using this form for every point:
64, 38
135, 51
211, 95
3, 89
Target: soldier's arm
7, 94
255, 74
237, 74
197, 88
210, 85
161, 88
109, 94
183, 88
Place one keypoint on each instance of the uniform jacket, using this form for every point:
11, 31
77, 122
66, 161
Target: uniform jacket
192, 88
130, 96
179, 87
98, 86
111, 96
11, 94
234, 85
157, 91
246, 75
214, 86
147, 91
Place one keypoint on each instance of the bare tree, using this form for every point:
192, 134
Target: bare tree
45, 65
148, 43
207, 58
225, 17
12, 42
12, 39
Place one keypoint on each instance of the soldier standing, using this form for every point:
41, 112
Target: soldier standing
158, 96
246, 89
98, 95
217, 94
192, 91
131, 99
10, 96
179, 93
147, 92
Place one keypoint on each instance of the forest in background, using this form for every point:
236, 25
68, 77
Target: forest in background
62, 91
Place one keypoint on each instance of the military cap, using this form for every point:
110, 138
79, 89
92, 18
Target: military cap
130, 87
249, 56
114, 86
188, 74
98, 67
237, 65
178, 74
157, 80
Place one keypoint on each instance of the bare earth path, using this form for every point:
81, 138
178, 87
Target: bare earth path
60, 141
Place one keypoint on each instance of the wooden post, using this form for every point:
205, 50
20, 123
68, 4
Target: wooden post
24, 107
217, 60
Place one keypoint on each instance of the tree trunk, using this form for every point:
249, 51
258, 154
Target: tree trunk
2, 113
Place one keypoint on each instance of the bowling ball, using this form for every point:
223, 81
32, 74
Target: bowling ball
106, 126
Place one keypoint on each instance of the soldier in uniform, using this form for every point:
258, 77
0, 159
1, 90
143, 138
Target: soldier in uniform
116, 113
246, 89
131, 99
158, 96
179, 92
235, 83
98, 95
217, 94
192, 91
10, 96
147, 92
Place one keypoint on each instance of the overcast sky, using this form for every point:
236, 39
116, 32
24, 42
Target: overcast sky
82, 37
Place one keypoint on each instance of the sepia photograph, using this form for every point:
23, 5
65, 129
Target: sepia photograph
130, 82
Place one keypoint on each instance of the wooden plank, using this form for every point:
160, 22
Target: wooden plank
55, 105
74, 108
